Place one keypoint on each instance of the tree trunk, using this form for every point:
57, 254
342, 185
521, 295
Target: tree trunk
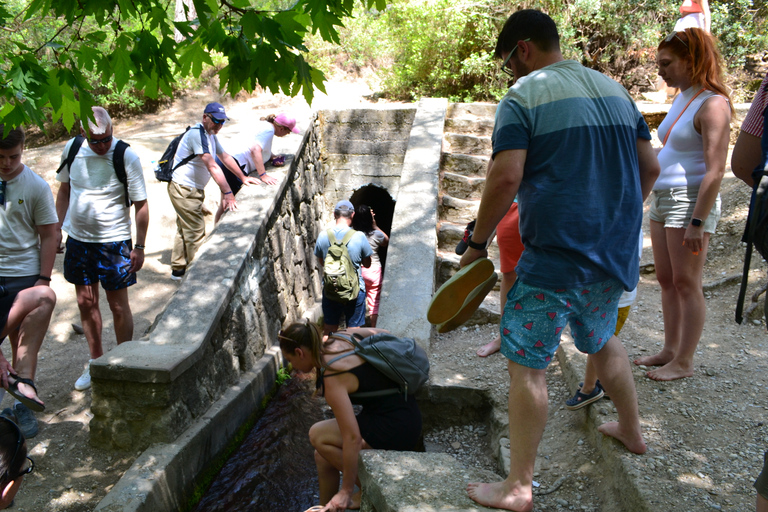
181, 15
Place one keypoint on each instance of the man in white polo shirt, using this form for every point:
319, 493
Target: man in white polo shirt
186, 188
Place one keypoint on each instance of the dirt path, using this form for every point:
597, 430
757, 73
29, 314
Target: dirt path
69, 474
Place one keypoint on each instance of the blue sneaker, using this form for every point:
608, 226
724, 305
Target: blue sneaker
580, 400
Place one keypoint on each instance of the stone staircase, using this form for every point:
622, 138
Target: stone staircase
464, 160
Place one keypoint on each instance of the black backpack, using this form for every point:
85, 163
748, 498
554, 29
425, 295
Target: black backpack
165, 167
118, 162
756, 231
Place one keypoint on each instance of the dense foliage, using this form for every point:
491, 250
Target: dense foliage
58, 58
445, 47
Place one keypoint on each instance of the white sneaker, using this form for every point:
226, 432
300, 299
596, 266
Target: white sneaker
84, 382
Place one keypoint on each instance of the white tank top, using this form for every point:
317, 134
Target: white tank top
682, 157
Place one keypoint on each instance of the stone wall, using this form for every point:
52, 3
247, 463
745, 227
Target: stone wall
365, 146
255, 273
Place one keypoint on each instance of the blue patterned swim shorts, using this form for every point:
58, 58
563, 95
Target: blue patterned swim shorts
534, 319
88, 263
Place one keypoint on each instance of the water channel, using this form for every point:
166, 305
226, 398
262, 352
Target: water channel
274, 468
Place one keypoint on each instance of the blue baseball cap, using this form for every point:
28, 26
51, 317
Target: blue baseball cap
343, 205
216, 110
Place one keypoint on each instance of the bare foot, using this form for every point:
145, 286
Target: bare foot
29, 392
659, 359
502, 495
671, 371
490, 348
633, 442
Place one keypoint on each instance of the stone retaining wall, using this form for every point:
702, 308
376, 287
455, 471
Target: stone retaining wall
256, 272
365, 146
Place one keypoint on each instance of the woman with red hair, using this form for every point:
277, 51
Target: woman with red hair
685, 204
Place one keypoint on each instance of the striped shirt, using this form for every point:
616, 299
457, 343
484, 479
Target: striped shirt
580, 197
753, 123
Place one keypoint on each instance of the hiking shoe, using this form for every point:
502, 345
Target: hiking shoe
84, 382
176, 275
26, 420
461, 247
580, 400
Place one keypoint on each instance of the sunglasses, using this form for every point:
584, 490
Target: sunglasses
2, 192
19, 440
674, 35
504, 64
217, 121
105, 140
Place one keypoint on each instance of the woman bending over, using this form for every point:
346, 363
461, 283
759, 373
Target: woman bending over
387, 422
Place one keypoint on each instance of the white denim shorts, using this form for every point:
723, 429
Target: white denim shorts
674, 208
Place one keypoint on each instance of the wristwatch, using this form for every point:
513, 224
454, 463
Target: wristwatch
477, 246
696, 222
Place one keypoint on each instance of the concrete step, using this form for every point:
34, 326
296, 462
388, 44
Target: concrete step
471, 109
462, 187
470, 125
467, 144
456, 210
466, 165
449, 234
411, 481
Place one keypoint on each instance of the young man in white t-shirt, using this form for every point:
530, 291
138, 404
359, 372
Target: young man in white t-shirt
187, 186
28, 242
91, 205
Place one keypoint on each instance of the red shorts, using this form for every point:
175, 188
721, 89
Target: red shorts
508, 240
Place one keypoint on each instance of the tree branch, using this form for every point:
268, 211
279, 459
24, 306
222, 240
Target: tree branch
52, 38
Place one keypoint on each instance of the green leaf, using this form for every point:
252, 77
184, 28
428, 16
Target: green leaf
122, 66
193, 58
35, 6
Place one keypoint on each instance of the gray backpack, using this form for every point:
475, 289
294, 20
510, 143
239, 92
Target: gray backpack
400, 359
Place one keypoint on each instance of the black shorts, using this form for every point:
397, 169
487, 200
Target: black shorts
392, 425
9, 289
234, 182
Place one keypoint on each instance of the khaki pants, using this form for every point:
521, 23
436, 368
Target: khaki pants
190, 223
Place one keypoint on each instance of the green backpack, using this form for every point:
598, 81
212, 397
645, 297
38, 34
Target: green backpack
340, 280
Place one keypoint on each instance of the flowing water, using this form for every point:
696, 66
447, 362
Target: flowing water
274, 468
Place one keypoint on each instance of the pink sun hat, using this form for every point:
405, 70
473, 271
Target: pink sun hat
289, 122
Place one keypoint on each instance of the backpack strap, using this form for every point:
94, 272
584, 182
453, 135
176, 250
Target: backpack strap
77, 143
744, 280
348, 236
331, 236
344, 337
118, 161
188, 158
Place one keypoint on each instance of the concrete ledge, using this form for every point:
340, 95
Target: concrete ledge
255, 272
417, 482
617, 459
163, 477
410, 281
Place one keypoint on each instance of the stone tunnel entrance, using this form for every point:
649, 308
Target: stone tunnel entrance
382, 205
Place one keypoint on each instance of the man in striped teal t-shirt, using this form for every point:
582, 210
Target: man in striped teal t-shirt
571, 144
